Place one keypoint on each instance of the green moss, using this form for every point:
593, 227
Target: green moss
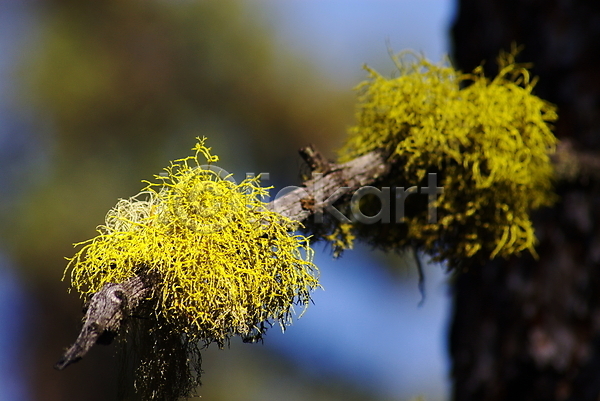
489, 140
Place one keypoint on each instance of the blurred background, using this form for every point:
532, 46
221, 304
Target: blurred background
96, 96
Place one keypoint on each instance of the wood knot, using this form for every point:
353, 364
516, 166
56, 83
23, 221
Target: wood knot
308, 203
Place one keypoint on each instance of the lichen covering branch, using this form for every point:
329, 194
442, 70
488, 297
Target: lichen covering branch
226, 264
489, 141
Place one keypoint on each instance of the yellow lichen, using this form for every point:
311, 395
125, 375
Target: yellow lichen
341, 238
227, 264
489, 140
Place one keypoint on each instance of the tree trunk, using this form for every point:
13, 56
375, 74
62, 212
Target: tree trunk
526, 329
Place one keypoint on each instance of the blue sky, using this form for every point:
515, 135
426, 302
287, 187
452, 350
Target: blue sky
367, 325
342, 35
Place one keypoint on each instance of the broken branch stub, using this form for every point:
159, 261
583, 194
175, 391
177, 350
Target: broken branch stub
105, 313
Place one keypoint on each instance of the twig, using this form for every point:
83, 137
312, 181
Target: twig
114, 303
315, 160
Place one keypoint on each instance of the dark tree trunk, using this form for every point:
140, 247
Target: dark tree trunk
527, 329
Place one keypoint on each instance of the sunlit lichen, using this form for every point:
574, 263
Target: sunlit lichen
340, 238
489, 140
226, 264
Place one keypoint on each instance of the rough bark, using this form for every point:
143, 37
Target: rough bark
526, 329
329, 183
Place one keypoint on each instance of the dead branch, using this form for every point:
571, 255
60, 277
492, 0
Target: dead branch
114, 303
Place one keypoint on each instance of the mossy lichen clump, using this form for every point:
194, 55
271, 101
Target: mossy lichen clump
226, 264
489, 140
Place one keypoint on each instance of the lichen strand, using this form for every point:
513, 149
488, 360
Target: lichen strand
489, 139
227, 265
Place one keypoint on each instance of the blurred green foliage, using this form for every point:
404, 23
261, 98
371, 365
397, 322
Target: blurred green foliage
126, 86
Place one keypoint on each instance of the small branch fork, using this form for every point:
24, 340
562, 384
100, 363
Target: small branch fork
114, 303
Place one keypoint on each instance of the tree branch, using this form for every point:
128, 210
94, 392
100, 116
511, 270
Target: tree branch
114, 303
